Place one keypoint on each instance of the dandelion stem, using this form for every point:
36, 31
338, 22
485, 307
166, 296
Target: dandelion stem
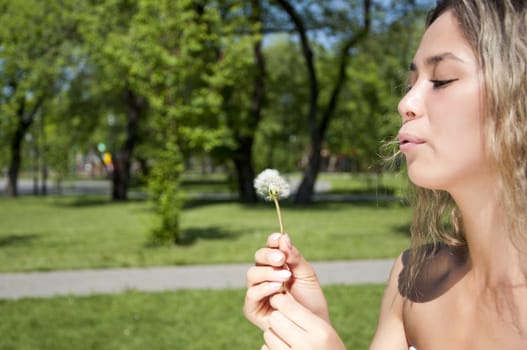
283, 289
277, 205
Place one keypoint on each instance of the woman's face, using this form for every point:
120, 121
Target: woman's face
442, 135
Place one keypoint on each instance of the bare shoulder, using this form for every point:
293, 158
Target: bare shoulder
444, 299
443, 267
441, 270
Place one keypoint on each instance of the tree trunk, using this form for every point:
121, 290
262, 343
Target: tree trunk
24, 122
245, 171
43, 156
16, 160
120, 175
306, 189
35, 161
243, 159
122, 159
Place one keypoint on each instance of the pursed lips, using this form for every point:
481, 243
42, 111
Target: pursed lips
407, 141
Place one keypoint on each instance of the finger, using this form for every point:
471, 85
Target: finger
273, 341
295, 312
259, 274
273, 240
256, 306
261, 291
269, 256
300, 268
291, 333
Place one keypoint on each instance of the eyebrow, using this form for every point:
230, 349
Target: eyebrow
436, 59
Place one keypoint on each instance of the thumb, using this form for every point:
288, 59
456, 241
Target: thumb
298, 266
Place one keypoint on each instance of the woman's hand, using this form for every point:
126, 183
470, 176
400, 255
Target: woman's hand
292, 326
280, 262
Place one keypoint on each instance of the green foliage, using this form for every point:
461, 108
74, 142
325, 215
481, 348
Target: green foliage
168, 52
166, 196
282, 136
193, 63
57, 154
177, 96
36, 39
366, 114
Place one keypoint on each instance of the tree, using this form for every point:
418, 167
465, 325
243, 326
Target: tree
318, 126
35, 38
368, 114
182, 59
107, 29
345, 26
243, 112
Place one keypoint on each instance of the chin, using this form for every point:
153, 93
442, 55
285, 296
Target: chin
427, 182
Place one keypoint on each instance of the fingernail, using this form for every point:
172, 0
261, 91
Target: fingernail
276, 257
275, 236
274, 285
284, 274
288, 241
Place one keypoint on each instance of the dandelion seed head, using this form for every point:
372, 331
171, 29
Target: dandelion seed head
270, 185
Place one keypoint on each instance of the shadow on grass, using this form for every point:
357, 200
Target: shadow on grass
189, 236
90, 201
17, 239
379, 190
196, 203
402, 229
341, 204
209, 182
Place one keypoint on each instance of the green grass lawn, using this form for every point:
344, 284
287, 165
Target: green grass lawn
183, 320
77, 233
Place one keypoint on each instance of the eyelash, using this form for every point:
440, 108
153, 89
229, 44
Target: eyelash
438, 84
441, 83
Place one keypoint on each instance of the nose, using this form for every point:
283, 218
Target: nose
411, 105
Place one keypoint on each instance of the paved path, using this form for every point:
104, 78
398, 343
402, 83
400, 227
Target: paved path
85, 282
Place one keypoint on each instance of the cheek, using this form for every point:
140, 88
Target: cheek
459, 137
457, 116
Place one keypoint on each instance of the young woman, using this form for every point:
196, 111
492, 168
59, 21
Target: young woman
463, 284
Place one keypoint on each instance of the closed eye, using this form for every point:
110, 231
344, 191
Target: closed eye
441, 83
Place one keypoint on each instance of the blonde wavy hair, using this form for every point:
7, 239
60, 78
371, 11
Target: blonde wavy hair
497, 32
